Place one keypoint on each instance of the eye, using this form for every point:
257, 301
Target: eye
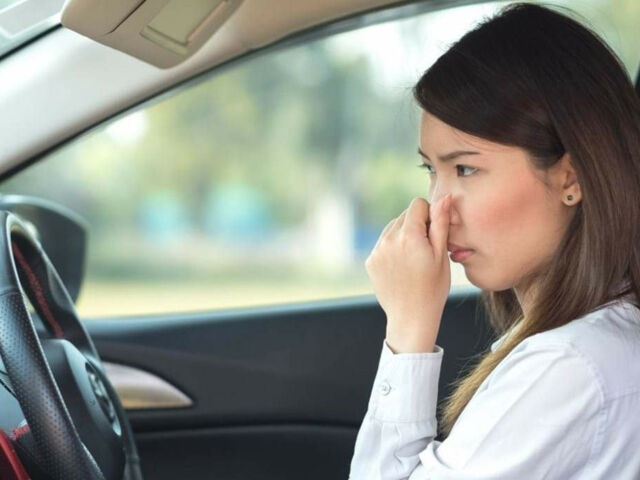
431, 172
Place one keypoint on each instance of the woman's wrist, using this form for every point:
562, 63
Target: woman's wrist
411, 342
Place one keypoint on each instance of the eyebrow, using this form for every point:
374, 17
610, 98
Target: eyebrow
449, 156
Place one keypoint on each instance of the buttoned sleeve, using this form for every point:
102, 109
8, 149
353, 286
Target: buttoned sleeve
401, 416
539, 415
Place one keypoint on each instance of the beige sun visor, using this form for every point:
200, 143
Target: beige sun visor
160, 32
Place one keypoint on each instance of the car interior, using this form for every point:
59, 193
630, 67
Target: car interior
237, 386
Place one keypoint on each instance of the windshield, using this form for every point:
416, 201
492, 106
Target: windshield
22, 20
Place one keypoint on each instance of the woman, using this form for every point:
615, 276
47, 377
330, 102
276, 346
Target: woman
543, 195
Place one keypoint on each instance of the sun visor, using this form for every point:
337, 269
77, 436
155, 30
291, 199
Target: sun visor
160, 32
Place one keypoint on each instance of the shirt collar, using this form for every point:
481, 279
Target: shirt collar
499, 341
629, 297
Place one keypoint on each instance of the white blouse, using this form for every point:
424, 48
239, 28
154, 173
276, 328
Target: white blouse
564, 404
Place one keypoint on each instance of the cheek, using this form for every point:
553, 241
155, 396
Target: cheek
501, 232
504, 219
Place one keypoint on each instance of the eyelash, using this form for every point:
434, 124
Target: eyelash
424, 165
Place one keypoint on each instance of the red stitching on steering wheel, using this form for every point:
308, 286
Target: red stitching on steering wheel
37, 289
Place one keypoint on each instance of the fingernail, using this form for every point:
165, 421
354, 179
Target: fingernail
445, 202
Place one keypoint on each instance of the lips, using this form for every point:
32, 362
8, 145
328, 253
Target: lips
452, 247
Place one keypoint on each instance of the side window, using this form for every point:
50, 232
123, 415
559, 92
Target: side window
270, 181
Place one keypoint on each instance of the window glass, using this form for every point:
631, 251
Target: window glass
270, 181
22, 20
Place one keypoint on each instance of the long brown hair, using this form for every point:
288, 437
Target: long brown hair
537, 79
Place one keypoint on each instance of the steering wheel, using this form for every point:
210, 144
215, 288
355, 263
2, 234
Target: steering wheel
76, 426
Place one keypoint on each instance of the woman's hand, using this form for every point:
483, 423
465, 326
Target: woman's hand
411, 274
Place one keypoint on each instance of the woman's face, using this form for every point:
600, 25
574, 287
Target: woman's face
500, 207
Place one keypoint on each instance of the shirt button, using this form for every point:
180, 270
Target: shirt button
385, 388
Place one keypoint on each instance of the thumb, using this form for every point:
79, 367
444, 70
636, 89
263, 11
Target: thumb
439, 229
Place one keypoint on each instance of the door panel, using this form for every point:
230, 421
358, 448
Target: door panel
278, 392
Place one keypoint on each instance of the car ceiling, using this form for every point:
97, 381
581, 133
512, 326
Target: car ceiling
63, 84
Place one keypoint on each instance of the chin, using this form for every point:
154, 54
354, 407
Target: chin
486, 282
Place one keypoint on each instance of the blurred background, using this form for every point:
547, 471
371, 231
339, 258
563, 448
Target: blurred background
267, 181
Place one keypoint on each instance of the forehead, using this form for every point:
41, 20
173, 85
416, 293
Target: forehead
437, 137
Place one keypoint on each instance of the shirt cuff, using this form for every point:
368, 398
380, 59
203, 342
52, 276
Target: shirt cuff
405, 388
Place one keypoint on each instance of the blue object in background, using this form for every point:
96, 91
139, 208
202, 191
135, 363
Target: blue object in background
365, 238
163, 216
237, 213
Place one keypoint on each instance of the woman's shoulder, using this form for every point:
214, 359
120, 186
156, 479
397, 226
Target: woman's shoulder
608, 340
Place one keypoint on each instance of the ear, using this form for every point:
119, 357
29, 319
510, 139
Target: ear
567, 180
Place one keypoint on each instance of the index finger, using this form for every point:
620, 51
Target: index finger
418, 217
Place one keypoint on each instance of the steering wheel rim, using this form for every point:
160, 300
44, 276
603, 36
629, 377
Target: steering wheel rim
60, 445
